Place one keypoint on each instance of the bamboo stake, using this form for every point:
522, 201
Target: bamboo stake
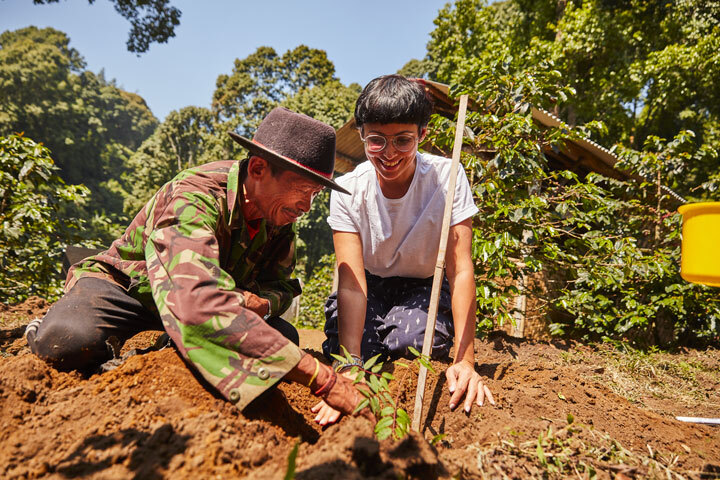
440, 263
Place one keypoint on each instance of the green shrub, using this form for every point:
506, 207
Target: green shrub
35, 231
611, 247
316, 291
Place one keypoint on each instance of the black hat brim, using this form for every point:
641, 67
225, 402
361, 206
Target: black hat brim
282, 162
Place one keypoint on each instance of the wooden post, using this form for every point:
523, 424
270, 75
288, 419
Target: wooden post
518, 329
440, 263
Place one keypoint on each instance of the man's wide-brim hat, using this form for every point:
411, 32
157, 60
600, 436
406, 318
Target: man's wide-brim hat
295, 142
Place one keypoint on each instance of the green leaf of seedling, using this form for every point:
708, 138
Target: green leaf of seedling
338, 357
426, 364
414, 351
387, 411
561, 396
402, 364
368, 365
402, 416
541, 452
383, 423
383, 434
388, 376
348, 357
437, 438
570, 418
377, 368
361, 405
374, 384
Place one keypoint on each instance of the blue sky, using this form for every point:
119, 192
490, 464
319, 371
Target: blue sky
363, 39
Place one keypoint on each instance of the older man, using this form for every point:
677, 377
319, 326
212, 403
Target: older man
208, 260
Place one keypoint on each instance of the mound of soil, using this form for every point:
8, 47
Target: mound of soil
152, 418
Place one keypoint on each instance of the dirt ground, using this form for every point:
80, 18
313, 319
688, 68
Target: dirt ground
563, 411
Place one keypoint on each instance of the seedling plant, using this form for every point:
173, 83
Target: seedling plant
392, 420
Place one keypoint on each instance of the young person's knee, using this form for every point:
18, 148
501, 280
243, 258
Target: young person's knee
399, 340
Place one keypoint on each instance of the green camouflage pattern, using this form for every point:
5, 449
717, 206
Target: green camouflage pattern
188, 257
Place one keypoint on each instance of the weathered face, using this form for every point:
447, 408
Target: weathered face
391, 163
281, 199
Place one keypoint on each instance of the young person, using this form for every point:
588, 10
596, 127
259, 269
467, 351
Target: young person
386, 236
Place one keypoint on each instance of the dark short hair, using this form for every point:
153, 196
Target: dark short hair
393, 99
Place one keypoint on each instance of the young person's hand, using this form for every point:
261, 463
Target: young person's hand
464, 381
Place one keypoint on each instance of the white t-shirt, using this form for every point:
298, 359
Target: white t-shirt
400, 237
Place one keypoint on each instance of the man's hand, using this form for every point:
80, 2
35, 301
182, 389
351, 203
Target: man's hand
259, 305
463, 380
326, 415
339, 396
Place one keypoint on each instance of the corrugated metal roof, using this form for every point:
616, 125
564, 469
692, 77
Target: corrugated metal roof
601, 153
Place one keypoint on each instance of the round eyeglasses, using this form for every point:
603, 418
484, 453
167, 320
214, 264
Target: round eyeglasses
403, 142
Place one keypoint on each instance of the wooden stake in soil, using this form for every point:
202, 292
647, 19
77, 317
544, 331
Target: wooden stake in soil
440, 263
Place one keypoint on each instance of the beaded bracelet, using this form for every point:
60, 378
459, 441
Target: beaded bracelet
355, 362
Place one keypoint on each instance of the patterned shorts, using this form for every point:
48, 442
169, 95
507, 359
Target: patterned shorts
395, 318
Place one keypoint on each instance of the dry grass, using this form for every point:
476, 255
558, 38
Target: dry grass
577, 451
687, 378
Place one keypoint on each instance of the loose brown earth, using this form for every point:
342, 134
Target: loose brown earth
151, 418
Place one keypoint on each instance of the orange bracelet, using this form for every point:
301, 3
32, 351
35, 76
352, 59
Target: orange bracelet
325, 389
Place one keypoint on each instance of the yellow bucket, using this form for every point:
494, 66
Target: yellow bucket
701, 243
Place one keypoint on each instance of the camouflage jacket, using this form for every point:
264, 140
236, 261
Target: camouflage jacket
188, 256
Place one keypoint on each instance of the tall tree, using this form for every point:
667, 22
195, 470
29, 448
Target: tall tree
263, 79
90, 124
186, 138
331, 102
643, 67
609, 249
150, 21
